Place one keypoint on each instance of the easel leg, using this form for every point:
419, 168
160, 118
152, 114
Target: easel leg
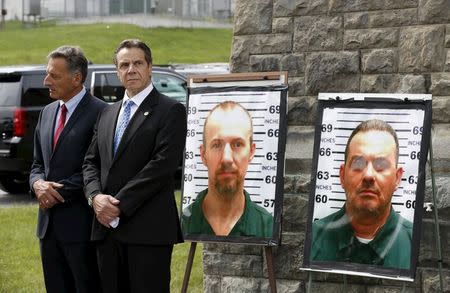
345, 283
404, 288
308, 289
270, 270
187, 272
436, 220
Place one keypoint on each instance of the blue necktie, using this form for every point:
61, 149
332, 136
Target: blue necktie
122, 124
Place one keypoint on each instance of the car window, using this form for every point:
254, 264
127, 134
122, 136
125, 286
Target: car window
9, 89
171, 86
107, 86
35, 93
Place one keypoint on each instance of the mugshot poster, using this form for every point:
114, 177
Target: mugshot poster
226, 146
370, 227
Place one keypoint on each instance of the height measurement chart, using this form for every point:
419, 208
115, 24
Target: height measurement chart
264, 108
263, 175
334, 241
337, 125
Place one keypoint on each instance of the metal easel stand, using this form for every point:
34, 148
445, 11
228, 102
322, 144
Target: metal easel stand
436, 220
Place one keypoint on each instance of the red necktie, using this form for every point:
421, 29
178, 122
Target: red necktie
61, 121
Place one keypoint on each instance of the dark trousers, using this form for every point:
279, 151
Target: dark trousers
68, 267
133, 268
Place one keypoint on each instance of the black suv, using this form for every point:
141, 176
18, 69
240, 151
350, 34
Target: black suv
22, 96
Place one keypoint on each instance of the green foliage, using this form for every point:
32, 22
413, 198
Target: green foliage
21, 45
20, 263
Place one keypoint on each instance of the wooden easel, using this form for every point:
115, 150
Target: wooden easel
269, 263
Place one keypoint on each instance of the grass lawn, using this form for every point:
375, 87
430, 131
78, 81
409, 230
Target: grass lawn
169, 45
20, 265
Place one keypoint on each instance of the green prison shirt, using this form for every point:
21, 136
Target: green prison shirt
255, 221
333, 240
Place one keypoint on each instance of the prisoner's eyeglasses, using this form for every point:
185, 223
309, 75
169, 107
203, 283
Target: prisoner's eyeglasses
359, 163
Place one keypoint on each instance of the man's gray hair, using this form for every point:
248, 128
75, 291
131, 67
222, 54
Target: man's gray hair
75, 59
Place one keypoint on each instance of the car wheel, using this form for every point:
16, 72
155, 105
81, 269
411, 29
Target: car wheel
15, 184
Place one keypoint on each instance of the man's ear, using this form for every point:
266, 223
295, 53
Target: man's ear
202, 154
342, 175
398, 174
252, 151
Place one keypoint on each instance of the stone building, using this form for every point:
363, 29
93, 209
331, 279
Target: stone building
395, 46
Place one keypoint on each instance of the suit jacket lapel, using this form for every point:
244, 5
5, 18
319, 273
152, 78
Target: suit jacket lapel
49, 128
111, 117
144, 111
73, 118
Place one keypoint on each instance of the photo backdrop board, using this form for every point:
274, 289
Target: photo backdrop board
338, 115
264, 96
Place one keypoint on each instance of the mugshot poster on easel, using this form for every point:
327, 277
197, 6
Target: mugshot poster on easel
392, 251
226, 147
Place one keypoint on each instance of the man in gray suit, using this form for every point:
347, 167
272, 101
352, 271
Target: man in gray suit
62, 136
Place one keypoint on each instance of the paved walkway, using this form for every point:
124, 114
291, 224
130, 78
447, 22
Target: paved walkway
149, 20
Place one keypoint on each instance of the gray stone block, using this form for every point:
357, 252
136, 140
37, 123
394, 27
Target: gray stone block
434, 11
337, 287
295, 213
260, 63
370, 38
296, 166
447, 36
332, 72
388, 289
296, 184
379, 61
356, 20
232, 264
296, 86
420, 49
211, 283
294, 64
428, 255
233, 248
380, 83
442, 192
414, 84
271, 44
403, 17
317, 7
317, 33
441, 141
361, 5
283, 25
240, 54
302, 110
300, 142
441, 109
289, 7
440, 84
237, 284
252, 17
431, 282
287, 262
447, 61
284, 286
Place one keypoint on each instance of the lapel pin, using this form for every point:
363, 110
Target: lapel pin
146, 113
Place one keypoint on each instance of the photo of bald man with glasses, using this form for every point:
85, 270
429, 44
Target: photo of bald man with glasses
366, 230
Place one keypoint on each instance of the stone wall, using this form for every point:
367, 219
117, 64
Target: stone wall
398, 46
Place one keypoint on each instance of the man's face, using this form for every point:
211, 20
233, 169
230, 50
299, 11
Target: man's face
370, 175
61, 83
133, 70
227, 150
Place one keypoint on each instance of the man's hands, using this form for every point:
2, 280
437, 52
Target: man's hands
47, 194
106, 208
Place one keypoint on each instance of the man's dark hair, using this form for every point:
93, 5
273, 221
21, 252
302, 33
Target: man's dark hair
75, 59
134, 43
228, 106
373, 125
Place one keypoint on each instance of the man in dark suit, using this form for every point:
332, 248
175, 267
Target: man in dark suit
128, 174
62, 136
